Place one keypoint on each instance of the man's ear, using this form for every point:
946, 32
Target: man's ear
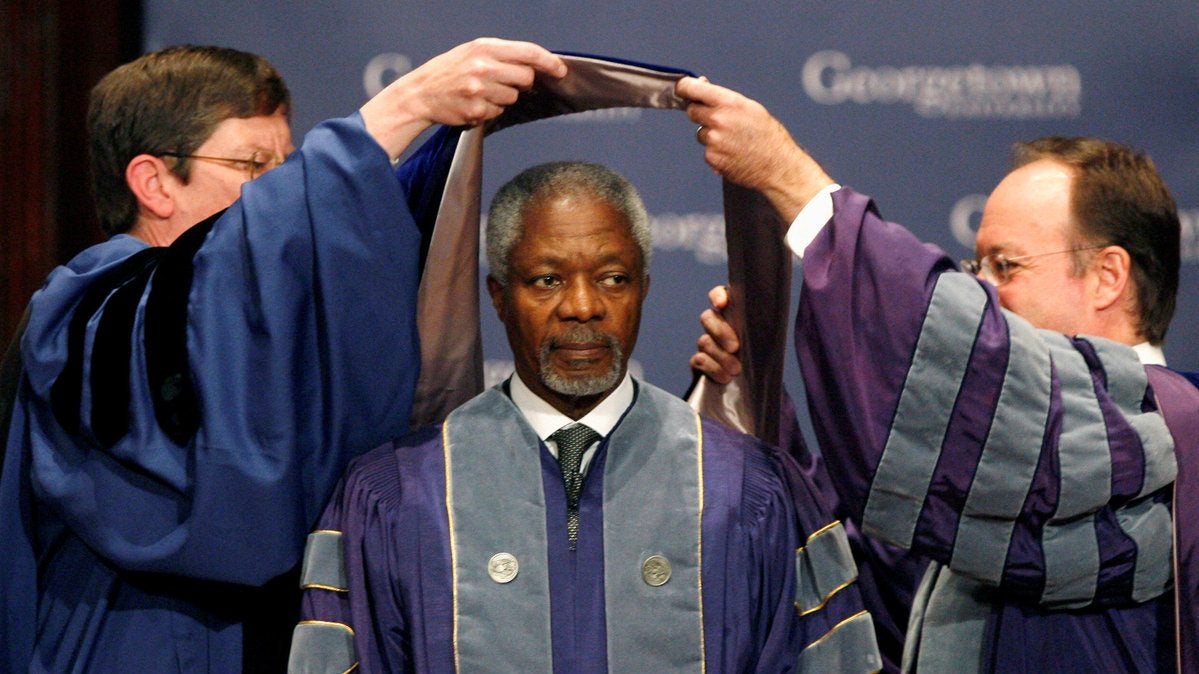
1113, 276
496, 289
148, 178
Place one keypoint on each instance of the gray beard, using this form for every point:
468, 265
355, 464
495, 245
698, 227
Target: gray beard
580, 386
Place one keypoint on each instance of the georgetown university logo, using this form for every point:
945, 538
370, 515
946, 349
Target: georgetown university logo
972, 91
1188, 219
382, 70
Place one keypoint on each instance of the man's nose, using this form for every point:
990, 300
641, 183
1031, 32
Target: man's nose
581, 302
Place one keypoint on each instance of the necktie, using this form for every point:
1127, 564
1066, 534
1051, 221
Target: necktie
572, 441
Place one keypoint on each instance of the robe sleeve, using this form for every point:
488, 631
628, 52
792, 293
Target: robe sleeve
351, 612
809, 615
192, 406
1019, 457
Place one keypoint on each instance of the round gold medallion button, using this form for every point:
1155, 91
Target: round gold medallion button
655, 570
503, 567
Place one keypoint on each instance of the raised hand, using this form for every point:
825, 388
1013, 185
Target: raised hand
746, 145
467, 85
716, 349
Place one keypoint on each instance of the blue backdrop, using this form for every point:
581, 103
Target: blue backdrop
915, 104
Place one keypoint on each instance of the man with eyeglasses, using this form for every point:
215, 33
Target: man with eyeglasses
1017, 430
193, 387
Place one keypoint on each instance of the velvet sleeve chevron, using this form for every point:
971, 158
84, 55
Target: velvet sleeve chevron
353, 615
113, 302
1019, 457
192, 406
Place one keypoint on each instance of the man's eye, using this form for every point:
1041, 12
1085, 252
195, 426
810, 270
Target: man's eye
1006, 266
614, 280
543, 281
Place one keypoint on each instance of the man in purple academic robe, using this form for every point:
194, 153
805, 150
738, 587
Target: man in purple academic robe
191, 392
1017, 427
574, 519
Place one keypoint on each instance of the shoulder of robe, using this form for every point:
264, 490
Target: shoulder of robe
115, 295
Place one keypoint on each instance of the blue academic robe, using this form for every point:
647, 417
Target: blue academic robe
185, 413
386, 589
1032, 468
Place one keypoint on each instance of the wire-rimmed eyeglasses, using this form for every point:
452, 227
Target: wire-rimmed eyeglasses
999, 268
258, 163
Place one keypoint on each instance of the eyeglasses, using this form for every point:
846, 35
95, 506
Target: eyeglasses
999, 268
260, 162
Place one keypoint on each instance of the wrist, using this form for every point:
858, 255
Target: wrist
393, 123
795, 188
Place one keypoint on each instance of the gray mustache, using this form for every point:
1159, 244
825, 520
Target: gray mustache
582, 335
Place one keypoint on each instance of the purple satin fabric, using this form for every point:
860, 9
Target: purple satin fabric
867, 287
391, 511
1178, 402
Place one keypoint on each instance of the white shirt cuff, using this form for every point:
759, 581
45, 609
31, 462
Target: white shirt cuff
814, 216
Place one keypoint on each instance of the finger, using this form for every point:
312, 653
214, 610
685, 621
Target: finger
485, 71
682, 86
477, 113
699, 113
693, 89
498, 93
720, 330
710, 368
728, 363
700, 90
533, 55
719, 297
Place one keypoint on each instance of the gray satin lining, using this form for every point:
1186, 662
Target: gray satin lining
1071, 563
1009, 457
925, 405
451, 345
823, 567
1085, 477
320, 648
841, 649
759, 285
1150, 526
324, 563
1126, 378
953, 626
1127, 384
1147, 523
1086, 469
509, 623
496, 504
592, 84
652, 497
911, 638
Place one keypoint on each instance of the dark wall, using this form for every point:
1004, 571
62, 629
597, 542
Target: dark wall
51, 54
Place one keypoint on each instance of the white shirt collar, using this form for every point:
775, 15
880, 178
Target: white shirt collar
1149, 354
545, 419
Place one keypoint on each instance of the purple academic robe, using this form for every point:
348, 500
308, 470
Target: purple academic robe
1032, 468
383, 594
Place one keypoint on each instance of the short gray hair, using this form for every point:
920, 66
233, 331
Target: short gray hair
505, 219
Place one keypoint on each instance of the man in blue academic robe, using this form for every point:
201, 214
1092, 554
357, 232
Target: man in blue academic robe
191, 391
574, 519
977, 421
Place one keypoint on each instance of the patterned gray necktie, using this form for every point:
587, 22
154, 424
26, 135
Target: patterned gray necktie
572, 441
